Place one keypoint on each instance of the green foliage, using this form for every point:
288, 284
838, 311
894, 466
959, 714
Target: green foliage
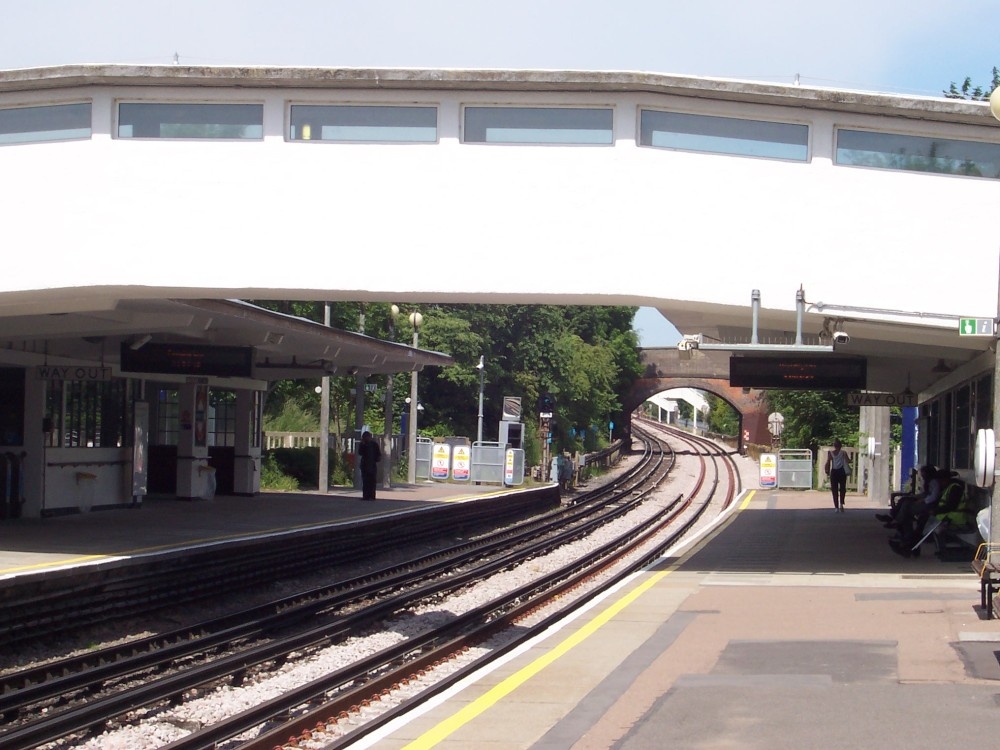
814, 418
723, 419
301, 467
684, 410
974, 93
293, 417
586, 356
272, 477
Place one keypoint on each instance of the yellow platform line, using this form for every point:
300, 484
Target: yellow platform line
456, 721
208, 540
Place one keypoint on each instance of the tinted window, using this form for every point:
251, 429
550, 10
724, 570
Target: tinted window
724, 135
363, 123
182, 120
537, 125
51, 123
913, 153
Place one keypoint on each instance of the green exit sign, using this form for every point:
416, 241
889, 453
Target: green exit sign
975, 326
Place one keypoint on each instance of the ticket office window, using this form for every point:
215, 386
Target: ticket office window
222, 418
87, 414
167, 421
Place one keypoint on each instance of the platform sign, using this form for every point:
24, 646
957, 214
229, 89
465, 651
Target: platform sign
975, 326
461, 463
441, 461
864, 398
768, 470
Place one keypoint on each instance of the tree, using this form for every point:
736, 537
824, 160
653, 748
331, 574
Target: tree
814, 418
723, 419
974, 93
585, 356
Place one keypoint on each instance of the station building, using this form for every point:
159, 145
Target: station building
842, 231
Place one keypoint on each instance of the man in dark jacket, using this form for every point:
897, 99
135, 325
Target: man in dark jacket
369, 454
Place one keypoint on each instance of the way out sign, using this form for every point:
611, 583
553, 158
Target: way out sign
768, 470
881, 399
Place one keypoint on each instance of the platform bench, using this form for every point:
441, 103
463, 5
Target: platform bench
988, 571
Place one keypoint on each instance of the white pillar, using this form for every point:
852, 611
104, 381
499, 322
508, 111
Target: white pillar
192, 445
246, 465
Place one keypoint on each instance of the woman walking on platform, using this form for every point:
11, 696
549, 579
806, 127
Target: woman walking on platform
837, 465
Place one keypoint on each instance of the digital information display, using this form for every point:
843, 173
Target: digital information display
189, 359
806, 373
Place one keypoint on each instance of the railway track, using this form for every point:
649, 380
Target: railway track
241, 646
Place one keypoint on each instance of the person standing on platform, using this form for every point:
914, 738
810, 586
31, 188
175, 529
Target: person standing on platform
837, 465
369, 454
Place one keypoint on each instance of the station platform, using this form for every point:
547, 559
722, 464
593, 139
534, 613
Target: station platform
787, 625
34, 546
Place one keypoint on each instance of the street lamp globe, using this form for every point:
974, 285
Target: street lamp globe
995, 103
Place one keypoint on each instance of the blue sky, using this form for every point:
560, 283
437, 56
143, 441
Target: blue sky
904, 46
914, 47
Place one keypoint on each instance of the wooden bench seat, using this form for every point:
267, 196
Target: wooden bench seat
986, 565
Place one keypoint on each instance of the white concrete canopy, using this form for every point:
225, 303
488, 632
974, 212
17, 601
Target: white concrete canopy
692, 234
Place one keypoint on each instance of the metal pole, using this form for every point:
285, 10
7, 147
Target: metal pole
411, 440
800, 305
482, 376
359, 406
324, 420
387, 436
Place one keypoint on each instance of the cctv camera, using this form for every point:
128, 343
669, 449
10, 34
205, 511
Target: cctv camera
840, 337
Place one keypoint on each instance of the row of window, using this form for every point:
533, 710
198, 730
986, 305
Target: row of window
514, 125
949, 423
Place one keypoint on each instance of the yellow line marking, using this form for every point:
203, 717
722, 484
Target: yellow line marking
207, 540
456, 721
453, 723
69, 561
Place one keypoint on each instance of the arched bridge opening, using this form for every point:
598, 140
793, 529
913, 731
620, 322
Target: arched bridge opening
668, 368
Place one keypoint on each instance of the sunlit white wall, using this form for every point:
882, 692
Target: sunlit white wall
468, 222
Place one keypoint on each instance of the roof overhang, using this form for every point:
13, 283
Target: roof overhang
283, 346
922, 351
448, 79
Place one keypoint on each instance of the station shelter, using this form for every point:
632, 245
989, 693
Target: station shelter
101, 408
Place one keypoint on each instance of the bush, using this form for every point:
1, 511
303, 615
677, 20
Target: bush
272, 478
302, 466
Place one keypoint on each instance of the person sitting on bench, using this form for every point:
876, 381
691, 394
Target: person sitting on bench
945, 492
929, 484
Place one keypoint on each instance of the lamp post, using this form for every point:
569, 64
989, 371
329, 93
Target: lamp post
482, 377
387, 436
323, 482
416, 319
